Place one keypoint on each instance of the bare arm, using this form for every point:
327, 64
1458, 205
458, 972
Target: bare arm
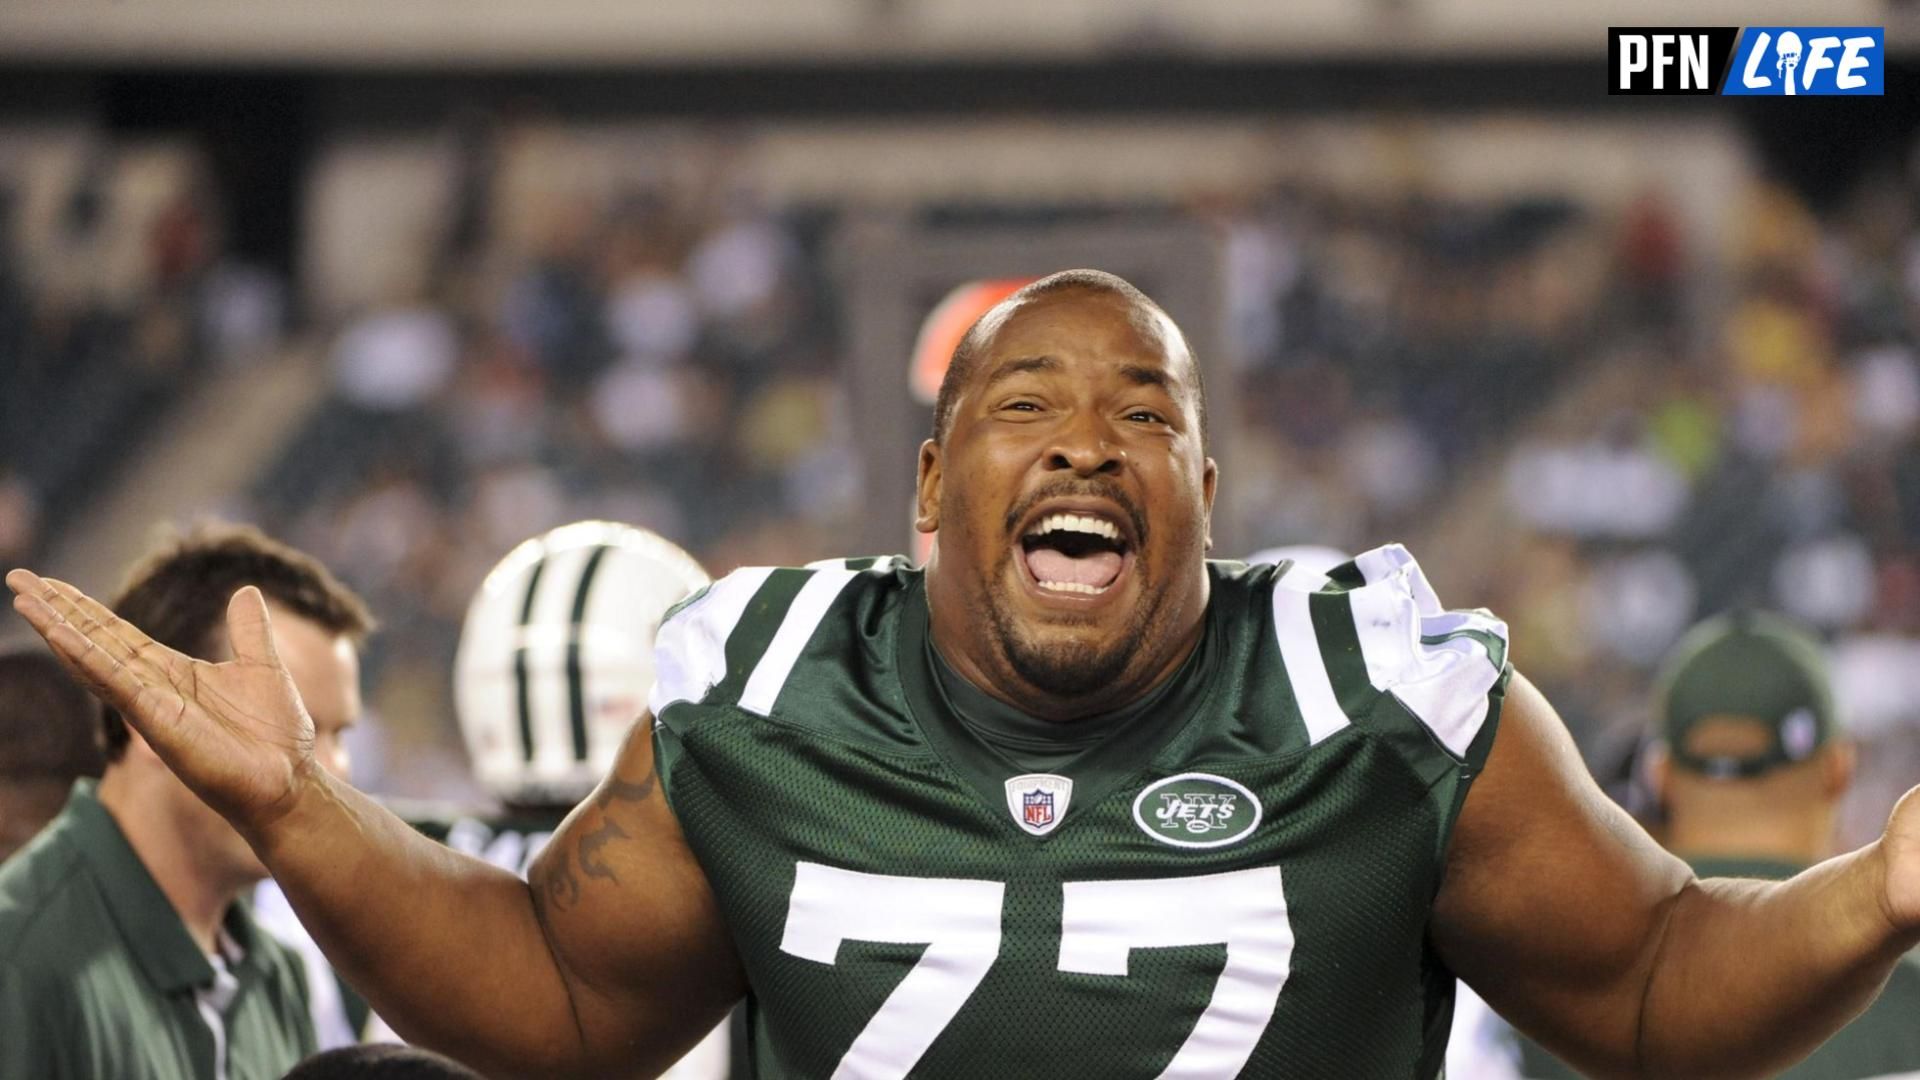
1570, 921
613, 962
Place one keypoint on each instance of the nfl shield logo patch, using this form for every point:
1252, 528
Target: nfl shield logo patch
1038, 801
1039, 807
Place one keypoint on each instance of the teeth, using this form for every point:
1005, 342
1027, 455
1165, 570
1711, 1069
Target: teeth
1082, 523
1073, 587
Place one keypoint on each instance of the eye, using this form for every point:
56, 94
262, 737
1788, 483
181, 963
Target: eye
1146, 416
1021, 406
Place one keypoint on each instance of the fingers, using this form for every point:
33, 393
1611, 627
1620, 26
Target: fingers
90, 665
250, 628
101, 649
34, 599
26, 583
122, 640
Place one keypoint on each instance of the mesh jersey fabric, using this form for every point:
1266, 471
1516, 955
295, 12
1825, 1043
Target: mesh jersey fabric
895, 919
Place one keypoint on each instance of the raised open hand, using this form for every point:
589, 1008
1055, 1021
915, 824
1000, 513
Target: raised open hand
235, 732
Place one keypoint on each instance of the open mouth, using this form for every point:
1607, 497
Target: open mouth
1074, 553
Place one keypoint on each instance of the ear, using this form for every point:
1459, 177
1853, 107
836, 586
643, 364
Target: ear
1837, 770
926, 499
1209, 484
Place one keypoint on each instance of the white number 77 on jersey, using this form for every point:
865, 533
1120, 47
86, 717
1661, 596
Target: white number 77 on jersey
1101, 923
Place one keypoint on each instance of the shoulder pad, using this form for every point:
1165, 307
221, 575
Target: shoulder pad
1440, 664
740, 638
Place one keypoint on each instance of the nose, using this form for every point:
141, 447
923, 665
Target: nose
1083, 449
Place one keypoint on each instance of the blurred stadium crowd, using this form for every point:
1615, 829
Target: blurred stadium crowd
108, 276
1632, 424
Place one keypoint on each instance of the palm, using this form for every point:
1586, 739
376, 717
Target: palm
236, 732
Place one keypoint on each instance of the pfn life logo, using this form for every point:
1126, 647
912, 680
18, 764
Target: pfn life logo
1789, 61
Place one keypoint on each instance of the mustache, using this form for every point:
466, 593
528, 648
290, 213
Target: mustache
1069, 488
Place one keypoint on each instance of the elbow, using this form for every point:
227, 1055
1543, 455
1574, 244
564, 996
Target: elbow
1651, 1058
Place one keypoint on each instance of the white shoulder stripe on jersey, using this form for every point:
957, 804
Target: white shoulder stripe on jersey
803, 618
1301, 579
1306, 671
1388, 632
1394, 560
1444, 684
690, 655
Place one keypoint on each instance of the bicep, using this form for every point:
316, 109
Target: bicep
630, 918
1555, 900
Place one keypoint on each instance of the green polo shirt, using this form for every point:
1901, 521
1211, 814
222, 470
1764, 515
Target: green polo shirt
98, 974
1883, 1044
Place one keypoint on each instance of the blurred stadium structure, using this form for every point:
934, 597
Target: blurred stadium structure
409, 289
357, 33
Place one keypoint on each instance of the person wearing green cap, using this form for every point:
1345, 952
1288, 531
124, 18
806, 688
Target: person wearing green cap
1749, 767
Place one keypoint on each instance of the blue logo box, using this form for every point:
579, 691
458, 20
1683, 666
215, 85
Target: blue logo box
1808, 60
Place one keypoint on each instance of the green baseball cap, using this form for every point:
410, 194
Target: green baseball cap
1748, 666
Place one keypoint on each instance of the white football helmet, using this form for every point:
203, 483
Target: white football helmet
556, 656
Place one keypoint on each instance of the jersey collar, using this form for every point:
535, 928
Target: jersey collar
1137, 735
1028, 741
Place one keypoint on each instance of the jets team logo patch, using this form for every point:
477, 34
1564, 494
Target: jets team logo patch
1196, 810
1038, 801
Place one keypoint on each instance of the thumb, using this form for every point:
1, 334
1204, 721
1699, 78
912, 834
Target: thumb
250, 629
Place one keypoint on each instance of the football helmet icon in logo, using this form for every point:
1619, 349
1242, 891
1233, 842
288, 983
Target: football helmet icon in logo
1788, 51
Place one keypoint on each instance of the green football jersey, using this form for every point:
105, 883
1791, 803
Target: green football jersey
1236, 882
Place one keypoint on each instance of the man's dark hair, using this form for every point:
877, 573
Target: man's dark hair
49, 724
178, 595
966, 355
380, 1061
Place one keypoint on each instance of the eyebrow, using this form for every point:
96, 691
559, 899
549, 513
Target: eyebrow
1146, 376
1137, 374
1023, 365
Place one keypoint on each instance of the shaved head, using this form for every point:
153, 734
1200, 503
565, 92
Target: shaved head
1077, 395
1152, 318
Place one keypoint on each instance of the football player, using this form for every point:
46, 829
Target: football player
554, 663
1070, 801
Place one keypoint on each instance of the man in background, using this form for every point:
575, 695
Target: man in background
1749, 770
124, 948
49, 737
